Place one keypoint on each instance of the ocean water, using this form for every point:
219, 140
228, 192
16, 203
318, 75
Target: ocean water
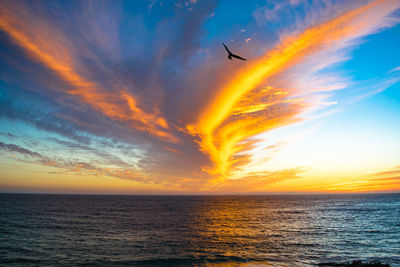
297, 230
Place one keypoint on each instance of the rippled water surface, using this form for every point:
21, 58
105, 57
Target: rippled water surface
75, 230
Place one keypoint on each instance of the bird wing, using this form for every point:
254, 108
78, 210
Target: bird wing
236, 56
226, 48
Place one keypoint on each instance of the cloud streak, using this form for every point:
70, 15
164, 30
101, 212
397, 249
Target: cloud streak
68, 166
383, 181
21, 150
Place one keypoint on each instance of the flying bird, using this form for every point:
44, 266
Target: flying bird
230, 54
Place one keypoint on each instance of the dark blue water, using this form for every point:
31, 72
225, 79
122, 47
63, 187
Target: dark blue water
77, 230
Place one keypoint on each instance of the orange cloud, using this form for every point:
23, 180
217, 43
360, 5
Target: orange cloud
49, 46
257, 181
241, 109
384, 181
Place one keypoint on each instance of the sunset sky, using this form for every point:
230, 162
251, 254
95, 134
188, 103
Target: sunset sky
139, 97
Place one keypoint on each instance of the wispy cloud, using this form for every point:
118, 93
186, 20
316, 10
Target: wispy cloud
15, 148
64, 166
391, 175
33, 34
249, 104
383, 181
257, 181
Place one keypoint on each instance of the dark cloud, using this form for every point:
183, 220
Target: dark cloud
21, 150
106, 158
8, 135
19, 104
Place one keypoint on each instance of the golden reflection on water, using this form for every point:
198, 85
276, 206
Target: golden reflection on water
240, 228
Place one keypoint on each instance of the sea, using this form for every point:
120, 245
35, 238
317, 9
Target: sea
268, 230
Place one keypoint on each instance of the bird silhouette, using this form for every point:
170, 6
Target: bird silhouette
230, 54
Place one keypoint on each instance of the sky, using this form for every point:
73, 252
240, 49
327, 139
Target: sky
139, 97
